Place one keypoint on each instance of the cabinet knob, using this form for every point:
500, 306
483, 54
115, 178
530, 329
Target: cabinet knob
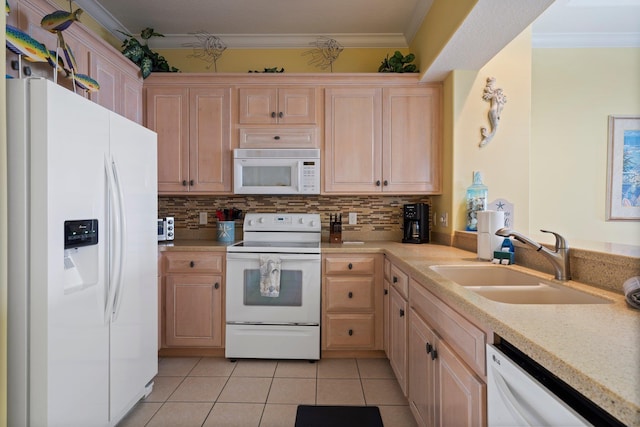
401, 313
350, 266
378, 183
216, 285
273, 114
386, 291
350, 332
429, 348
184, 182
191, 182
350, 294
385, 183
277, 137
434, 354
192, 264
395, 279
281, 114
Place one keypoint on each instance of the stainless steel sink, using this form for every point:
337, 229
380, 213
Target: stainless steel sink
502, 284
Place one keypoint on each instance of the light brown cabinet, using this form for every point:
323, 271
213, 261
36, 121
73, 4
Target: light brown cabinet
193, 300
119, 79
382, 140
352, 302
398, 324
194, 145
444, 364
273, 105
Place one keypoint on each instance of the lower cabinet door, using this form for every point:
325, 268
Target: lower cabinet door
193, 311
422, 372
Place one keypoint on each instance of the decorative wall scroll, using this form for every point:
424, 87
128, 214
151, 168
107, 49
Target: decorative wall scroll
497, 99
623, 169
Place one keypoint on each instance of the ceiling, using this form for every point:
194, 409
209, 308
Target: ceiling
354, 23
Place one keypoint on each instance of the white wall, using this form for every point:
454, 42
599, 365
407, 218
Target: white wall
574, 91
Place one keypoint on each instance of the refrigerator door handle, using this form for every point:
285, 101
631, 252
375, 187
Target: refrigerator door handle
115, 234
120, 243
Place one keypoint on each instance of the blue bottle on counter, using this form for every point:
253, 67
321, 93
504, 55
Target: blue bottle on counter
476, 201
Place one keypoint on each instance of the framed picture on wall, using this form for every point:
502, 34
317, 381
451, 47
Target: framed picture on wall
623, 168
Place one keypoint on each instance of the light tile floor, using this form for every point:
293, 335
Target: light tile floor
215, 392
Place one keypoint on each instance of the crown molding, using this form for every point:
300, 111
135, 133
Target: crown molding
584, 40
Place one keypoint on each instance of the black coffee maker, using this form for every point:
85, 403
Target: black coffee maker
416, 223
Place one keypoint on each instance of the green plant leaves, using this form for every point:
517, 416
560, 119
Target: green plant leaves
140, 54
398, 63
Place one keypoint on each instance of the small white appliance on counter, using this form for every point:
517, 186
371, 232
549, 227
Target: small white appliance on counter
82, 294
273, 288
166, 229
276, 171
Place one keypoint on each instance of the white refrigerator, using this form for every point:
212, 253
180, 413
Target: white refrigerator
82, 312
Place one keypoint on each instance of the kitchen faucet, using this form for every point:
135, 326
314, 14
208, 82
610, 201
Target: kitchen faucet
558, 258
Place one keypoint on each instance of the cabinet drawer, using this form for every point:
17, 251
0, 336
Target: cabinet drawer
353, 331
400, 281
349, 265
278, 138
464, 337
190, 262
349, 293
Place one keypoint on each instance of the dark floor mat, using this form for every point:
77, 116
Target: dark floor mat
338, 416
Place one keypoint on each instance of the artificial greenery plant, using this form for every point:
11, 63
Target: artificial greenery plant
398, 63
140, 53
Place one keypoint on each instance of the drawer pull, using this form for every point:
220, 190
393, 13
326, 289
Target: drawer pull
350, 294
401, 313
277, 137
350, 266
216, 285
192, 264
350, 332
395, 279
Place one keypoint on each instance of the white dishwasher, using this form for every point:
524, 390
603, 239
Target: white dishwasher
519, 394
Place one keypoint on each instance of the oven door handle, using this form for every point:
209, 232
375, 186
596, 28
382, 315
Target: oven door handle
282, 256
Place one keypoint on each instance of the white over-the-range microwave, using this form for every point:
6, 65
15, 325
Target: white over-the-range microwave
276, 171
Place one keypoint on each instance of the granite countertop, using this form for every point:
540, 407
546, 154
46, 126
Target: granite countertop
595, 348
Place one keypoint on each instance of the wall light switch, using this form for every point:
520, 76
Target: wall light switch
444, 219
353, 218
203, 218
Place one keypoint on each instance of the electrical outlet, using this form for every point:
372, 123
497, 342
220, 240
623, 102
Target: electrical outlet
353, 218
203, 218
444, 219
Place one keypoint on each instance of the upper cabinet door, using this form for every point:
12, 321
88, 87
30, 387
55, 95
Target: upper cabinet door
168, 115
411, 147
353, 140
210, 142
277, 105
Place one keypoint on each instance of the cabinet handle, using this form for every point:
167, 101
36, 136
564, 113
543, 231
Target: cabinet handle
280, 114
386, 291
350, 332
184, 182
191, 182
216, 285
277, 137
401, 313
434, 354
350, 266
385, 183
273, 114
192, 264
350, 294
395, 279
378, 183
429, 348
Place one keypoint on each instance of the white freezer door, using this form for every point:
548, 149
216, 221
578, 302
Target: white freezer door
69, 335
134, 342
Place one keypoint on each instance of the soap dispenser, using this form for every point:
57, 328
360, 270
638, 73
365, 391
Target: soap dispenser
476, 201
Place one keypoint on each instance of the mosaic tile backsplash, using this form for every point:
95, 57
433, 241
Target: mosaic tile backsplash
375, 213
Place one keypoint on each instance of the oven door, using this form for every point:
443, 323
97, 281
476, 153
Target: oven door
298, 300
